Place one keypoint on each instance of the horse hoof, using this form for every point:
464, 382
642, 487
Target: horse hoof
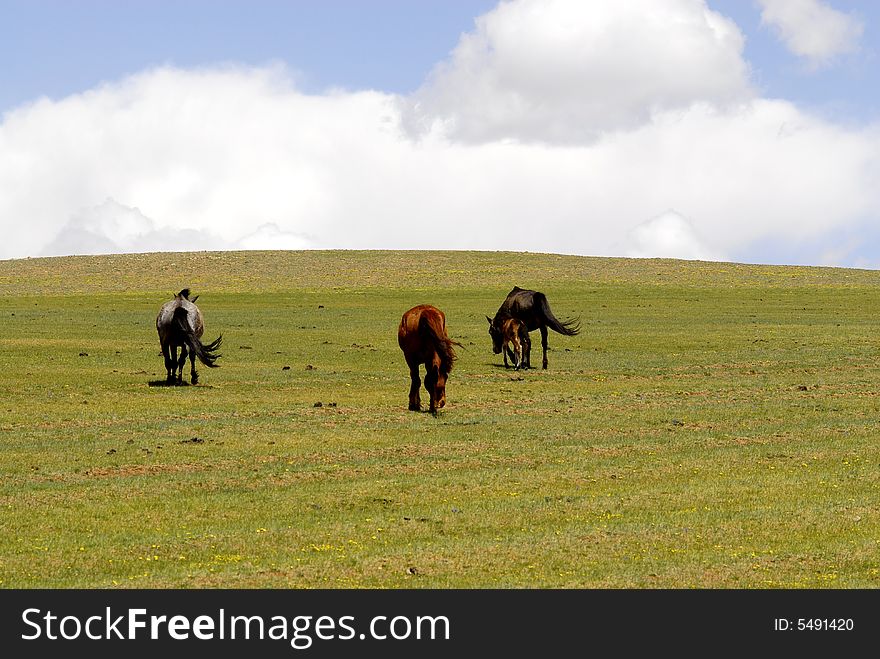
415, 408
195, 379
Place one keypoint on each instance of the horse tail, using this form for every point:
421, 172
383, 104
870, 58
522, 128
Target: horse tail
207, 354
567, 327
432, 331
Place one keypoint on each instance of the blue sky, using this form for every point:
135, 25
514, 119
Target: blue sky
58, 47
627, 134
849, 89
61, 47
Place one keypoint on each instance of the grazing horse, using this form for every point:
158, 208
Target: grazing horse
422, 337
515, 333
530, 307
180, 324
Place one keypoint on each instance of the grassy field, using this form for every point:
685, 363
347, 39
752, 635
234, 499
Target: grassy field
714, 425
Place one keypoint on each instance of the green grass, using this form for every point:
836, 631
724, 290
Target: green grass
714, 425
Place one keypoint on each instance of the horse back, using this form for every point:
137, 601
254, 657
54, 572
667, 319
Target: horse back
410, 335
522, 304
424, 313
513, 328
165, 318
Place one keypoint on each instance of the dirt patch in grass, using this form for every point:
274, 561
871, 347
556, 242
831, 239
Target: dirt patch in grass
126, 471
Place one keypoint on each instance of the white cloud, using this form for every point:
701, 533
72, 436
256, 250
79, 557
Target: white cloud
238, 158
220, 152
567, 71
812, 29
271, 236
114, 228
669, 235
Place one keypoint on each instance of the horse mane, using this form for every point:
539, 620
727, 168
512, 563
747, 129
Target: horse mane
447, 354
184, 294
500, 316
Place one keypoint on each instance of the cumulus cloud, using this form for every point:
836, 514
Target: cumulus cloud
238, 158
566, 71
220, 152
669, 235
112, 228
109, 227
812, 29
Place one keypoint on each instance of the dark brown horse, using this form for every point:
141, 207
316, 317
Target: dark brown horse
180, 325
530, 307
422, 337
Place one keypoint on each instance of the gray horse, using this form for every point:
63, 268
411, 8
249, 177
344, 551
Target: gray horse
180, 325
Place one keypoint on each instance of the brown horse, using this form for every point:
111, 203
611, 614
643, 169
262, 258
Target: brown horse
180, 325
515, 333
422, 337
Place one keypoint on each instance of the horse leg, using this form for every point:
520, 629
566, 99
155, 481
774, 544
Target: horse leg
526, 358
517, 354
415, 382
173, 354
180, 364
544, 344
169, 363
504, 351
192, 368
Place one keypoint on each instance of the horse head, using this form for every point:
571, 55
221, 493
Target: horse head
497, 336
435, 383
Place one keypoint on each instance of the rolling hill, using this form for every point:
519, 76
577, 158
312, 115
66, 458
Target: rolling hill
713, 425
